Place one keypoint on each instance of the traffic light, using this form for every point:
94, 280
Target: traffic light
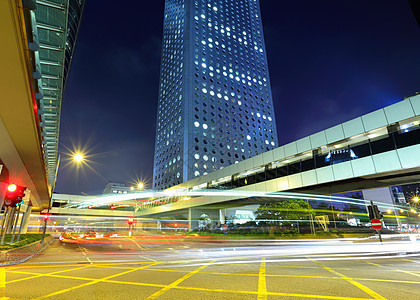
374, 212
371, 214
130, 221
46, 217
14, 195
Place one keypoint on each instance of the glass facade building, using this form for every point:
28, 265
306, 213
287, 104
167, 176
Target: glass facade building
215, 105
55, 25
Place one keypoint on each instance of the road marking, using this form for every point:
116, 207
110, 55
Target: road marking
271, 293
166, 270
350, 280
388, 280
180, 271
92, 282
407, 272
111, 267
371, 263
318, 296
88, 259
393, 269
84, 253
2, 277
3, 283
176, 282
141, 248
36, 275
262, 285
410, 260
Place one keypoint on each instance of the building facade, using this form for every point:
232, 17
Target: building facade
117, 188
55, 26
215, 105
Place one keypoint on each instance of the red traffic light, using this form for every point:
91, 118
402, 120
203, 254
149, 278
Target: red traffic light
12, 187
130, 221
14, 195
46, 217
176, 225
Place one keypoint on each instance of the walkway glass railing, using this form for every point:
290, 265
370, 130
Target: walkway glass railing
392, 141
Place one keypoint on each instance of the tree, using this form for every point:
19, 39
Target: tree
284, 210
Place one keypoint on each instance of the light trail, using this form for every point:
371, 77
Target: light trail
156, 197
335, 250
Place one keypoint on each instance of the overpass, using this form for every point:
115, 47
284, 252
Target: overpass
375, 150
35, 57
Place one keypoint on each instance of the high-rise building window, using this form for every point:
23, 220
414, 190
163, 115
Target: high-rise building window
214, 75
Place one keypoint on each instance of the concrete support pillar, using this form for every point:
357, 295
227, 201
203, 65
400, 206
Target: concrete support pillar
194, 215
222, 216
25, 220
189, 220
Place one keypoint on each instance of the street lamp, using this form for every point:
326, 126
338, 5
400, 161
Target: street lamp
140, 185
78, 157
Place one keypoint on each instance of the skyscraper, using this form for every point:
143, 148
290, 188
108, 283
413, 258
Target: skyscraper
215, 106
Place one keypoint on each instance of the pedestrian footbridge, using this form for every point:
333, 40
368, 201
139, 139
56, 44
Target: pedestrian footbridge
375, 150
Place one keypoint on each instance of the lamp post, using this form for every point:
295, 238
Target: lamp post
78, 158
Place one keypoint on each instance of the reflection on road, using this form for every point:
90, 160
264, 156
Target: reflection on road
191, 249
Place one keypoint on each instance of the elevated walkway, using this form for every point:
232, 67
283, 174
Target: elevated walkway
375, 150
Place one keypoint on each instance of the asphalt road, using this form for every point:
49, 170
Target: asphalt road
171, 267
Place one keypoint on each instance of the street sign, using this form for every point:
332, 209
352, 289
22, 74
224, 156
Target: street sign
224, 227
376, 224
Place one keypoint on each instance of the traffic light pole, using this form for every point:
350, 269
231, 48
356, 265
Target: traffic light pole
16, 221
3, 222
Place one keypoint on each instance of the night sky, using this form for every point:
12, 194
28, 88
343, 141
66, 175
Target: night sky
329, 61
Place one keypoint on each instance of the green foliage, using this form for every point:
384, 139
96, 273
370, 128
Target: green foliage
25, 239
284, 210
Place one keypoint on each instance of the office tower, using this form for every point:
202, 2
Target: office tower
215, 106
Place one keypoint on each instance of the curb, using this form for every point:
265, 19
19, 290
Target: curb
30, 251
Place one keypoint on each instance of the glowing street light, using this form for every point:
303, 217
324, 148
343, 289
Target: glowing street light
78, 157
140, 185
416, 199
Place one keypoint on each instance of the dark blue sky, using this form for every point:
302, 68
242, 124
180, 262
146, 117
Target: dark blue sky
329, 61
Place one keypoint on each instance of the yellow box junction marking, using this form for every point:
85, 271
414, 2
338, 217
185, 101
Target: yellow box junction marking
94, 282
262, 285
352, 281
36, 275
2, 277
176, 282
174, 285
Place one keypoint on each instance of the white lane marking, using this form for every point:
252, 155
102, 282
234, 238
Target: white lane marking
142, 248
84, 253
88, 259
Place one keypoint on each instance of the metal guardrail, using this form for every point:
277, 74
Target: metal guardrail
22, 254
